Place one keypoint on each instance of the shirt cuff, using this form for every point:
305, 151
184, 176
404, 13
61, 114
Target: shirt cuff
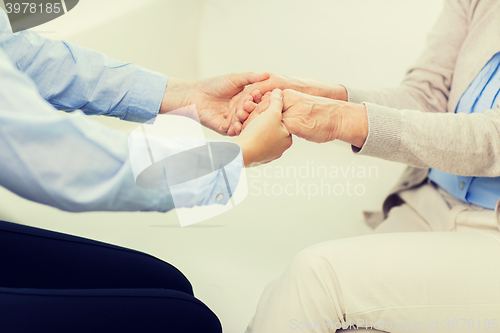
146, 96
384, 133
214, 188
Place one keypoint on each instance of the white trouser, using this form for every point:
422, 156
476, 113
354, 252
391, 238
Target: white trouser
398, 279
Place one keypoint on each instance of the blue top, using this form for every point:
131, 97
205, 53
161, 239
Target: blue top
68, 160
482, 95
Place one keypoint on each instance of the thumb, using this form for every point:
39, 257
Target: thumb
292, 126
276, 106
243, 79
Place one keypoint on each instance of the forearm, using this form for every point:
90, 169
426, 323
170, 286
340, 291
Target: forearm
353, 127
250, 156
327, 90
176, 94
73, 163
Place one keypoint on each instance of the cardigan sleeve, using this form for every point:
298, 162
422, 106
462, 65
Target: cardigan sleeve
409, 124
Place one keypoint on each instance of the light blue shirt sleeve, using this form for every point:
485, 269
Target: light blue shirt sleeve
69, 161
72, 77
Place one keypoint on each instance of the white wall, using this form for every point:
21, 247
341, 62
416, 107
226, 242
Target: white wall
364, 43
158, 34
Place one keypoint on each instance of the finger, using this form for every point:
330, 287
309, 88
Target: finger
257, 96
291, 97
249, 106
232, 107
266, 96
276, 105
258, 110
227, 122
242, 115
276, 108
233, 117
233, 102
238, 128
243, 79
250, 80
231, 110
231, 132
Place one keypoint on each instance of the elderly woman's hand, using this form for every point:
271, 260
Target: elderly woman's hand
317, 119
321, 119
254, 92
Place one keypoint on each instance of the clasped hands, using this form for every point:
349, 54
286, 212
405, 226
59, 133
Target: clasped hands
264, 110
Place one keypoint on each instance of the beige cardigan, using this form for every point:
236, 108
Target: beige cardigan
465, 38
